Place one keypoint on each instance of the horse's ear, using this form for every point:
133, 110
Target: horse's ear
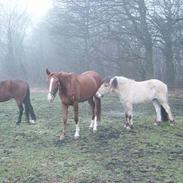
106, 79
47, 72
114, 83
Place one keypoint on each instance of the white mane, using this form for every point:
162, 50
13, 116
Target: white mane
122, 79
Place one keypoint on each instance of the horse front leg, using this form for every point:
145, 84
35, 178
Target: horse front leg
128, 115
76, 107
65, 111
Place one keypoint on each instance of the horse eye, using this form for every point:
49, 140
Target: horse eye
106, 85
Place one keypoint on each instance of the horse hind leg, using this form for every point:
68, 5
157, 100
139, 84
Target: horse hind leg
92, 106
157, 107
32, 114
97, 112
21, 109
29, 109
76, 109
166, 108
27, 112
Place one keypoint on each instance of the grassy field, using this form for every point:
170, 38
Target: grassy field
146, 154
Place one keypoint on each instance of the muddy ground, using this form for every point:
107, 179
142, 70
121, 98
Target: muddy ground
148, 153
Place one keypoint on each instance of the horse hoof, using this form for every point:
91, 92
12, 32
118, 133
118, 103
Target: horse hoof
59, 142
90, 127
157, 123
94, 130
128, 128
76, 137
172, 124
32, 122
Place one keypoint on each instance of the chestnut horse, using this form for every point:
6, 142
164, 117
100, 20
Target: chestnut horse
74, 88
19, 90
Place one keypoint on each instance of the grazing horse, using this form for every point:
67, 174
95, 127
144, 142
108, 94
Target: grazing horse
74, 88
132, 92
19, 90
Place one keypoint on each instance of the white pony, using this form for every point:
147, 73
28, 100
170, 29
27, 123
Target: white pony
132, 92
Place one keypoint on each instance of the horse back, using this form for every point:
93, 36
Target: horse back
13, 89
89, 83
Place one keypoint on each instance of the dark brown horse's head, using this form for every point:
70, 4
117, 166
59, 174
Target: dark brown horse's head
53, 85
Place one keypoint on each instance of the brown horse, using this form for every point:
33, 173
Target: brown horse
19, 90
74, 88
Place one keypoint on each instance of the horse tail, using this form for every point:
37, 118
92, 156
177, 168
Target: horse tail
164, 114
98, 108
28, 107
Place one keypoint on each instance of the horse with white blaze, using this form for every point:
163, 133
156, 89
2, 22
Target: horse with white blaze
132, 92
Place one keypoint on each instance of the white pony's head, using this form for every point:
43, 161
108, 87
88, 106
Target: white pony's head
109, 85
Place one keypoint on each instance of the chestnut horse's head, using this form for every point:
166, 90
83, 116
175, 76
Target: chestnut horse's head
53, 85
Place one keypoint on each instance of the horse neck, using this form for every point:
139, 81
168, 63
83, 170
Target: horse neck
67, 84
124, 85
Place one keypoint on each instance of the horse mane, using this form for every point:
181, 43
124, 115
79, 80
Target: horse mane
106, 79
122, 79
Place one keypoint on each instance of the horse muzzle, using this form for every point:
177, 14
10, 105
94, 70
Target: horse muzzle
50, 97
99, 95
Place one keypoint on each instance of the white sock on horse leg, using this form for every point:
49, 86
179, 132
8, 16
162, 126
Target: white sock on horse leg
76, 135
95, 124
91, 124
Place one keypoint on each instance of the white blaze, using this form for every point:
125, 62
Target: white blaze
51, 85
50, 97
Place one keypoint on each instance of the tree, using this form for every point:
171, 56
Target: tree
165, 16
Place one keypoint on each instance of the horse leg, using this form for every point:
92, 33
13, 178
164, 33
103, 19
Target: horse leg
158, 111
128, 115
27, 112
168, 110
20, 106
97, 112
75, 106
98, 108
65, 111
29, 108
92, 105
33, 116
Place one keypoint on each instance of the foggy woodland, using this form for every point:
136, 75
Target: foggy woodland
139, 39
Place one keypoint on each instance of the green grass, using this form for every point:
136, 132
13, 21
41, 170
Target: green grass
148, 153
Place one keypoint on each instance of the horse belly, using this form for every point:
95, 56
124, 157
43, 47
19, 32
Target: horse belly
87, 93
5, 98
142, 96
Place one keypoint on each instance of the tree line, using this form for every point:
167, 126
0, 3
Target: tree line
140, 39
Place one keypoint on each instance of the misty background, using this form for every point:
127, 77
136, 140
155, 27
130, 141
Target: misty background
139, 39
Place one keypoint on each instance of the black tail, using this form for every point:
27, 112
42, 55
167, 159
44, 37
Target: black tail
28, 107
164, 114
